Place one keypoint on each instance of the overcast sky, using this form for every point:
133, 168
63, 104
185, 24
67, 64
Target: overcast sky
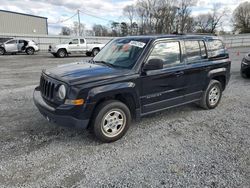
58, 10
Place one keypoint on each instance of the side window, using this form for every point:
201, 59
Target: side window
11, 42
195, 51
169, 52
74, 41
217, 49
82, 41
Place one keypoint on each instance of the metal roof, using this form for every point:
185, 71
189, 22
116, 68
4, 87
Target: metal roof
22, 14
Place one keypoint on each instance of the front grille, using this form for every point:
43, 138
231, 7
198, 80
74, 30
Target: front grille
47, 88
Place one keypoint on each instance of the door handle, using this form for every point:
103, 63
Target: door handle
179, 73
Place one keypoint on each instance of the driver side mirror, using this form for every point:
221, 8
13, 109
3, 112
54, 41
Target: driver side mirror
70, 42
153, 64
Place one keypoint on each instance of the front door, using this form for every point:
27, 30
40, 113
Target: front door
165, 87
11, 46
74, 45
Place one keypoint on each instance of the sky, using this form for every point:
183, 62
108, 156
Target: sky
58, 11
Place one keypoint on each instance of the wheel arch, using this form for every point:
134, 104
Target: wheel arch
219, 75
124, 93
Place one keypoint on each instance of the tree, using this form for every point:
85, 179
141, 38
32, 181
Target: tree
65, 31
241, 18
124, 29
75, 29
115, 29
208, 23
100, 30
185, 21
129, 11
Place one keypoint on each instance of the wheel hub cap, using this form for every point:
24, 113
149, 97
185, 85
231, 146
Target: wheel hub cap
113, 123
214, 95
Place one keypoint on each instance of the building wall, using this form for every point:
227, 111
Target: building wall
22, 24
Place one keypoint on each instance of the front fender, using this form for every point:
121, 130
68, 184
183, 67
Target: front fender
111, 90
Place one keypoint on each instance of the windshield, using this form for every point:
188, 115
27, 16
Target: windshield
121, 53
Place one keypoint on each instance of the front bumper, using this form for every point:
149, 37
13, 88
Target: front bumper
57, 115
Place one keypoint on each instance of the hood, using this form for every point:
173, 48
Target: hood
83, 72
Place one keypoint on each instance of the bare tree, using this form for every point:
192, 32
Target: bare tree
129, 11
208, 23
184, 15
75, 29
65, 31
241, 18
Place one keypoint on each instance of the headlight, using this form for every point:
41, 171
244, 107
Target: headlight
62, 92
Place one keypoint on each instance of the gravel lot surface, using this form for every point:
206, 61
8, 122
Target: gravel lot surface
181, 147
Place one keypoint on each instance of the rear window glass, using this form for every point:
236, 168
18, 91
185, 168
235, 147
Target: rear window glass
217, 49
195, 51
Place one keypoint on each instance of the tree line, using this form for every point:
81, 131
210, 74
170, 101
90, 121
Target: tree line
147, 17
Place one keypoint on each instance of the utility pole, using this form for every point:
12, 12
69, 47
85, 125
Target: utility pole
79, 22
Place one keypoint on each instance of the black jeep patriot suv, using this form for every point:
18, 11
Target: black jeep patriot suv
132, 77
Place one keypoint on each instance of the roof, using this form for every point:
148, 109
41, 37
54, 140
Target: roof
23, 14
181, 36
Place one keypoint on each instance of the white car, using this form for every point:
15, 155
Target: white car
18, 45
75, 46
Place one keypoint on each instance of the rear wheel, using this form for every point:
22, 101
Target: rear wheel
30, 51
111, 121
95, 51
61, 53
212, 96
2, 51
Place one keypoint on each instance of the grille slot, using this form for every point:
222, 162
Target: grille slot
47, 88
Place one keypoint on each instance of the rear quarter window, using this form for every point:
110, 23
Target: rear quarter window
216, 49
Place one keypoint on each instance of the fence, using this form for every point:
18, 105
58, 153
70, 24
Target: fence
231, 41
44, 41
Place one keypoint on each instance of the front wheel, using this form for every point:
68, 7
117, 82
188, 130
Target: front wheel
30, 51
61, 53
2, 51
212, 96
111, 121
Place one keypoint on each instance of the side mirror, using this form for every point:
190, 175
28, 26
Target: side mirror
153, 64
70, 42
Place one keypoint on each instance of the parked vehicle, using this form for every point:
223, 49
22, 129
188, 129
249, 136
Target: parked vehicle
19, 46
245, 66
75, 46
132, 77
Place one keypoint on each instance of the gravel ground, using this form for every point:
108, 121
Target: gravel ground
181, 147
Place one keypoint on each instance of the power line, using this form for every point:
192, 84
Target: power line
62, 21
91, 14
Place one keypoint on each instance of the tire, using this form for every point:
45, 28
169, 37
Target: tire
2, 51
88, 54
111, 121
245, 75
212, 96
61, 53
95, 51
30, 51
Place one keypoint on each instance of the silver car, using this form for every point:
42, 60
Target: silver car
19, 45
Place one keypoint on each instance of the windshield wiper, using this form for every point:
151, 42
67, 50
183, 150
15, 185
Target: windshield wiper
105, 63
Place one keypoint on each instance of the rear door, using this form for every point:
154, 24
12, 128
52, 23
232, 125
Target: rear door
11, 46
165, 87
196, 58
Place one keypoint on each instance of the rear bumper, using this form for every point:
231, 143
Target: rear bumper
55, 115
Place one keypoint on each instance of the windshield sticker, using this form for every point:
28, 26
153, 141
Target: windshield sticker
137, 44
